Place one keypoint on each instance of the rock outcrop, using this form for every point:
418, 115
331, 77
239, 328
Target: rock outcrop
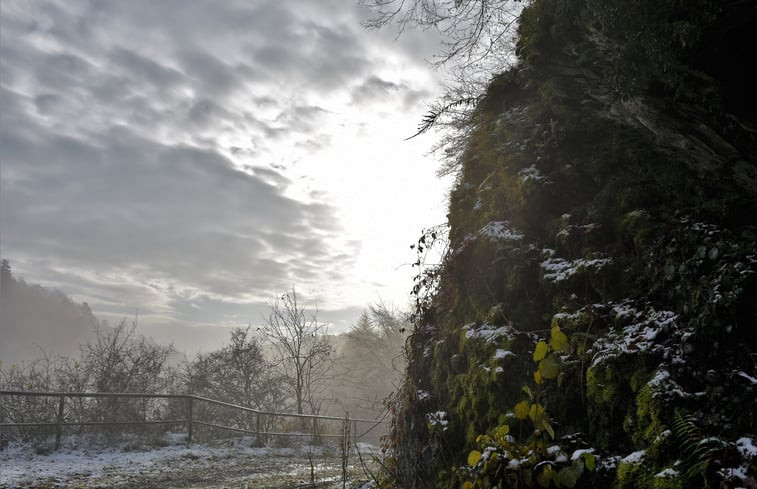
593, 322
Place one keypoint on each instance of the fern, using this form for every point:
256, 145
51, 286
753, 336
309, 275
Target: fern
698, 451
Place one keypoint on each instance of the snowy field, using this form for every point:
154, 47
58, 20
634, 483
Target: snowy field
233, 464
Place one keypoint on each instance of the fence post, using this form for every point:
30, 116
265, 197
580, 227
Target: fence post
259, 437
59, 428
345, 447
190, 424
354, 431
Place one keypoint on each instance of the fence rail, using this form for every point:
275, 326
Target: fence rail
189, 421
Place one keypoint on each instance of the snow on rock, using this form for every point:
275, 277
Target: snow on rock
500, 230
663, 386
439, 418
577, 454
500, 354
494, 230
746, 447
532, 174
635, 457
423, 395
625, 310
739, 472
486, 332
662, 436
639, 336
567, 316
667, 474
560, 269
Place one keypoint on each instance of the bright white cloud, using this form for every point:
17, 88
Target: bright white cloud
192, 158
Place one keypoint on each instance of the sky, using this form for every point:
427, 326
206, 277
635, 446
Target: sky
190, 160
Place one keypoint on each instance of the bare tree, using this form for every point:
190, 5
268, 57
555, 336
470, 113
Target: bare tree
301, 349
478, 40
473, 31
120, 360
237, 373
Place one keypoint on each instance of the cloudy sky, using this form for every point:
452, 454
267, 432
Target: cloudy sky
193, 159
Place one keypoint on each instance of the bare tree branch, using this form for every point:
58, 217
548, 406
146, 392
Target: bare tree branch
301, 349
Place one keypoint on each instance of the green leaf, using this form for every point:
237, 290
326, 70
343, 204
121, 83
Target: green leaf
527, 391
590, 460
569, 476
548, 428
540, 351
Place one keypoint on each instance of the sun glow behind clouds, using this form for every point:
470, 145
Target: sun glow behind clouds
209, 157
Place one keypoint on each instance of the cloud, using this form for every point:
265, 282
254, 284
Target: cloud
375, 89
174, 212
149, 148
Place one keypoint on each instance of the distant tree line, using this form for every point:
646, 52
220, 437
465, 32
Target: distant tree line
289, 364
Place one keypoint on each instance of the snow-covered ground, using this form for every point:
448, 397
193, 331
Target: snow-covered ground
232, 464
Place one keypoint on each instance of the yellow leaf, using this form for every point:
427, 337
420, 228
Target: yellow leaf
521, 409
540, 351
473, 457
501, 433
549, 367
467, 485
536, 413
559, 341
537, 377
545, 476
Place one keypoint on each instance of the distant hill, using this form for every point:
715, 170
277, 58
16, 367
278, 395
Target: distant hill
33, 318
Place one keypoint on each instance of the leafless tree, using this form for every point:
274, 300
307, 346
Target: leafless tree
301, 349
120, 360
237, 373
473, 31
478, 40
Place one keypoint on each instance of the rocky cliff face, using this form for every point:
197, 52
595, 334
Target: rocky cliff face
593, 323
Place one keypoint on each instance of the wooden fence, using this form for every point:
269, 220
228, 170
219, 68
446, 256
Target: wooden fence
190, 420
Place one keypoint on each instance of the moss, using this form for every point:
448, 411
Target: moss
652, 417
645, 476
668, 483
634, 476
611, 392
638, 228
